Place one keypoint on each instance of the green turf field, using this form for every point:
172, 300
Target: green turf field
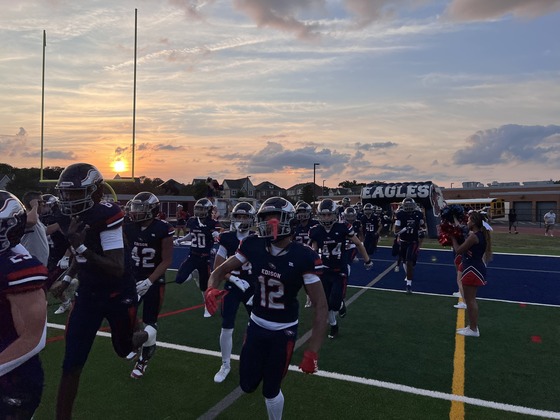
392, 360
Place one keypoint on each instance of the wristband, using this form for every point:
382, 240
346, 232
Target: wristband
81, 249
66, 279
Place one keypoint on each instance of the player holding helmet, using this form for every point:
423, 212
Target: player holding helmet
150, 248
281, 267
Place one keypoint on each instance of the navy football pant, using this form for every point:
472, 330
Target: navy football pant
265, 357
21, 390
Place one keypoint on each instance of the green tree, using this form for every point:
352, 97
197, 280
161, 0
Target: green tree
307, 193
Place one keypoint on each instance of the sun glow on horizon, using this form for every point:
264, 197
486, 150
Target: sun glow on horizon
119, 166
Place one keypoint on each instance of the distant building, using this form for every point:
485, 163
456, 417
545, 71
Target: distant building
266, 189
233, 187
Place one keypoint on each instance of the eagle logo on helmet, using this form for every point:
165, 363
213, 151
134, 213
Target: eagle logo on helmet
243, 217
12, 221
276, 228
326, 213
79, 187
144, 206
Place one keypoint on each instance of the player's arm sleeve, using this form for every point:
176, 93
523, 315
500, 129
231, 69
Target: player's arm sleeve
29, 313
112, 260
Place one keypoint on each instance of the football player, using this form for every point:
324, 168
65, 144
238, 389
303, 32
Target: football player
371, 227
202, 234
281, 267
408, 225
106, 289
239, 283
344, 204
329, 239
23, 315
301, 232
150, 245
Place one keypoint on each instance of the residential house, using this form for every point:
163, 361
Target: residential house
266, 189
233, 188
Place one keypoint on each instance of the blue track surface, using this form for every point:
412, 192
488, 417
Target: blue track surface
520, 278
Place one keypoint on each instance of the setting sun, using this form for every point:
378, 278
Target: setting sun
119, 166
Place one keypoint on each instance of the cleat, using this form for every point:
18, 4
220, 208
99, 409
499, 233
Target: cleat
133, 355
206, 313
334, 331
468, 332
139, 369
222, 374
456, 294
408, 289
63, 308
308, 303
342, 310
460, 305
397, 269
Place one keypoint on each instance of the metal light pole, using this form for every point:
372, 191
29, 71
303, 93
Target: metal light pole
452, 185
314, 166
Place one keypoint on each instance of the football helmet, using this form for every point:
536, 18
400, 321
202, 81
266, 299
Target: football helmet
50, 201
345, 202
350, 214
144, 206
326, 213
368, 209
283, 226
408, 204
303, 211
12, 221
203, 208
243, 217
79, 187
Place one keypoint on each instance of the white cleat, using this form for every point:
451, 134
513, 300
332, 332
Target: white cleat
222, 374
63, 308
206, 313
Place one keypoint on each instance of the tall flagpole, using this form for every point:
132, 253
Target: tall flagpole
43, 102
134, 94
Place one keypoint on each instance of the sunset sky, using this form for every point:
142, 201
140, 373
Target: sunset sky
402, 90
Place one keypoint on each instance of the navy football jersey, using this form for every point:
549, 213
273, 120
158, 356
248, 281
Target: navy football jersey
18, 274
301, 233
412, 221
278, 278
101, 217
370, 225
144, 245
230, 242
201, 231
332, 244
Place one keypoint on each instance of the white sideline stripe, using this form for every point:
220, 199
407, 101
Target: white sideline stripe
435, 394
365, 381
367, 287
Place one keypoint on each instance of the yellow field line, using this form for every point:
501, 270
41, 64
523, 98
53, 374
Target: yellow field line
458, 407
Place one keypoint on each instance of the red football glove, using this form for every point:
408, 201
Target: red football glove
211, 296
309, 362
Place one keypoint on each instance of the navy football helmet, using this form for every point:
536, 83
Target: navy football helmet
408, 204
303, 211
286, 215
369, 209
326, 213
203, 208
12, 221
144, 206
79, 187
243, 216
350, 214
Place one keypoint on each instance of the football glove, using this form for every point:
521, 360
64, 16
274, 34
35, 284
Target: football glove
143, 286
309, 362
368, 265
63, 263
243, 285
211, 296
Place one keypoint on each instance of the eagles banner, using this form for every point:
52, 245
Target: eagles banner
427, 194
